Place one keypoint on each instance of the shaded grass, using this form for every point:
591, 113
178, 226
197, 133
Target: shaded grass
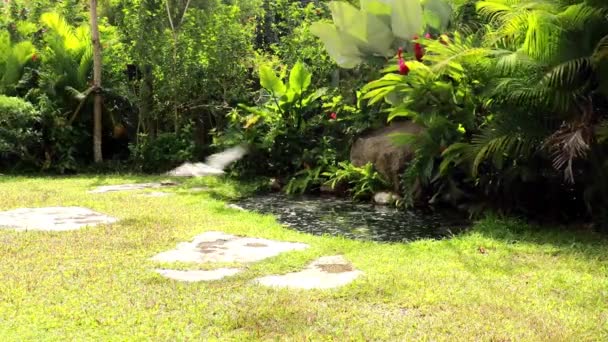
98, 283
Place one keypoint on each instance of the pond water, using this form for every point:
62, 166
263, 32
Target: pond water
362, 221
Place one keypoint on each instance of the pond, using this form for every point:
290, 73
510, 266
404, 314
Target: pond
363, 221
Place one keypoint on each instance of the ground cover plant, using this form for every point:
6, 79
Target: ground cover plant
99, 284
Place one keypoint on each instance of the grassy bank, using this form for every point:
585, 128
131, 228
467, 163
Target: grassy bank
500, 281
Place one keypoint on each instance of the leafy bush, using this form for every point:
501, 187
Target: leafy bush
164, 152
287, 121
19, 134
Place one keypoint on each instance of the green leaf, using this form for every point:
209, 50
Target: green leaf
270, 81
371, 34
378, 94
299, 78
379, 9
438, 13
342, 48
407, 18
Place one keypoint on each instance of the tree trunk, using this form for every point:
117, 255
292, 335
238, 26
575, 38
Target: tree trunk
97, 156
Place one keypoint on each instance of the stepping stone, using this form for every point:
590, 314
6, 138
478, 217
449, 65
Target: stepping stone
196, 276
129, 187
221, 247
324, 273
52, 218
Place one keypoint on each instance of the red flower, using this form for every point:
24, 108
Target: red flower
403, 68
333, 116
34, 57
418, 50
428, 36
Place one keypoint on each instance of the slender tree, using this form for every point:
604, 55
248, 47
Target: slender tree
97, 156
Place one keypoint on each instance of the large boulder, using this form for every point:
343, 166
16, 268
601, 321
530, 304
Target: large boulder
378, 148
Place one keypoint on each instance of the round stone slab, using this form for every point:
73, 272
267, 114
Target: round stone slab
196, 276
324, 273
52, 218
221, 247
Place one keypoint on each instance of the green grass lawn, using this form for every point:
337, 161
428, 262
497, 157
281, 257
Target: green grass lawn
98, 283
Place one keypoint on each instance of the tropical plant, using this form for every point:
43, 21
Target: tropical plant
286, 121
13, 59
363, 181
378, 27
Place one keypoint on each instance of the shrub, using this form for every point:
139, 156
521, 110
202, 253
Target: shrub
18, 130
164, 152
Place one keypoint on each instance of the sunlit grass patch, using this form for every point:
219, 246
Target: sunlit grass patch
502, 280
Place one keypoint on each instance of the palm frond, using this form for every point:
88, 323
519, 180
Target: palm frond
577, 16
570, 74
568, 144
516, 136
601, 50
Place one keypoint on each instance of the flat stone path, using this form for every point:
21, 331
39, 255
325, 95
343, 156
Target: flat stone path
52, 218
324, 273
196, 276
213, 247
130, 187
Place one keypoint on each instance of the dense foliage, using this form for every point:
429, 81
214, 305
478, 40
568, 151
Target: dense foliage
512, 94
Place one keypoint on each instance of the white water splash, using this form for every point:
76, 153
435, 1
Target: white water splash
214, 164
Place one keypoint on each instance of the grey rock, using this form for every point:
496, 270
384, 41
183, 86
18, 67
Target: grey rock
386, 198
378, 148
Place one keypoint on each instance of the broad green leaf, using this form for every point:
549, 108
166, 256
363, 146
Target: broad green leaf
270, 81
401, 111
386, 80
380, 9
432, 20
407, 18
342, 48
315, 96
369, 32
299, 78
376, 95
440, 11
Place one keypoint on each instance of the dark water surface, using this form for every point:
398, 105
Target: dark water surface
363, 221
